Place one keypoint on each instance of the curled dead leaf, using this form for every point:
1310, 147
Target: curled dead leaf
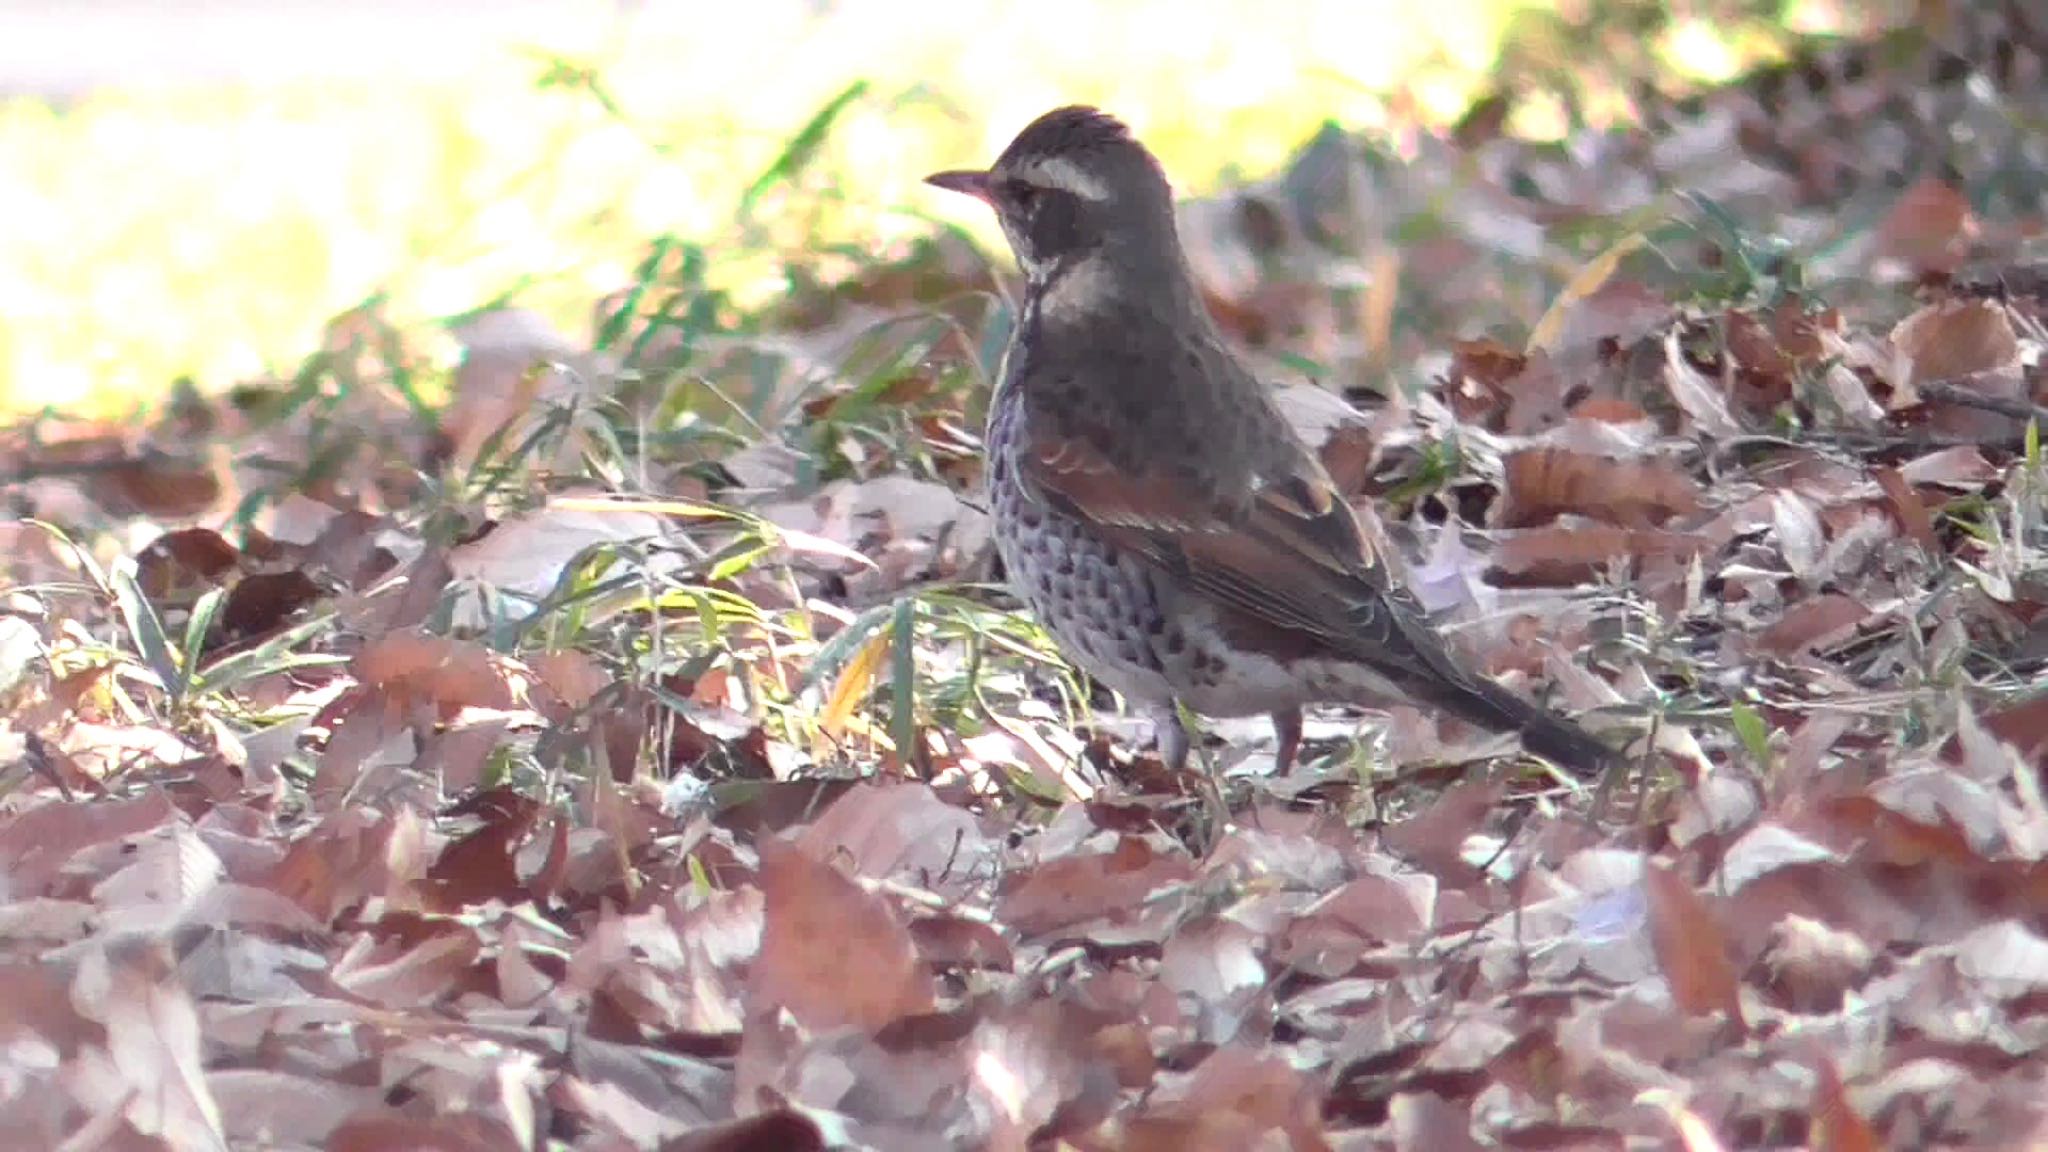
1965, 343
1811, 966
1540, 484
1703, 400
1929, 229
1561, 556
177, 567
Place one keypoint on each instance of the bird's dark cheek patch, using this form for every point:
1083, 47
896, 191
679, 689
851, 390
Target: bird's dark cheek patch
1055, 224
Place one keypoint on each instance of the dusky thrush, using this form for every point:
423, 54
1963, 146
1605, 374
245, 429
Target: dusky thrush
1151, 504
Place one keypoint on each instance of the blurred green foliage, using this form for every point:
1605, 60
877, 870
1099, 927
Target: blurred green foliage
210, 231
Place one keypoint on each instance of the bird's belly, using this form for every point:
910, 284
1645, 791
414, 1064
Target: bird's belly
1099, 604
1124, 625
1216, 676
1232, 683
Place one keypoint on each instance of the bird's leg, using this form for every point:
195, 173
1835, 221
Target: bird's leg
1175, 746
1287, 737
1171, 735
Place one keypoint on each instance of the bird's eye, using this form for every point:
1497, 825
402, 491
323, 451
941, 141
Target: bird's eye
1023, 194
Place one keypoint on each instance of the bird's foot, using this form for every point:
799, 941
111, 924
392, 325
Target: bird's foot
1176, 748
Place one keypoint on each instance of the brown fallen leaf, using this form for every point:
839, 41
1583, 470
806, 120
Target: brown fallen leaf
1074, 889
1541, 484
1560, 556
1814, 624
1929, 229
417, 667
1691, 950
832, 954
1965, 343
1837, 1127
1906, 507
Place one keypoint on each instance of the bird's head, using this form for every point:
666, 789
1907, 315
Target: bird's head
1072, 184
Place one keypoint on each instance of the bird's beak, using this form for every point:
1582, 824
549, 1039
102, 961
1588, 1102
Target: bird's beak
975, 184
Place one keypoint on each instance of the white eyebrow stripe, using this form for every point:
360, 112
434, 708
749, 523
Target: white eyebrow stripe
1061, 172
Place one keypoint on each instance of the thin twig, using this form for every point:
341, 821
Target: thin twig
1949, 393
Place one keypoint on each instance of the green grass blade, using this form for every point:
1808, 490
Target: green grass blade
146, 630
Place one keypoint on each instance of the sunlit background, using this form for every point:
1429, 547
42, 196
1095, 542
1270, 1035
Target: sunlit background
192, 189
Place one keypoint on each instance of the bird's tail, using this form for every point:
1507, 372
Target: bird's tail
1481, 701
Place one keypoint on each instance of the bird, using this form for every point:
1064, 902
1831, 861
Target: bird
1151, 505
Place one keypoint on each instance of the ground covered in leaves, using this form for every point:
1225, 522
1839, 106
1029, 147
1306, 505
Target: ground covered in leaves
630, 752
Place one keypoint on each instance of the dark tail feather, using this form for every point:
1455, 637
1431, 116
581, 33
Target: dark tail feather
1481, 701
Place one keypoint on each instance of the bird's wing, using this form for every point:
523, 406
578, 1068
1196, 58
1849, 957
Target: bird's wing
1288, 553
